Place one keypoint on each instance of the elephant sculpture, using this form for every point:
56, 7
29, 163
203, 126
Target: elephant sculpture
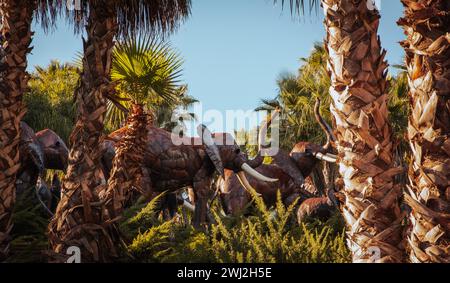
320, 208
38, 152
172, 163
291, 170
234, 198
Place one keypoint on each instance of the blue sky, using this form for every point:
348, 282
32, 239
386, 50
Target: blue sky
234, 50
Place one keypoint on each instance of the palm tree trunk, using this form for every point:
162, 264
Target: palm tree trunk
126, 173
80, 219
16, 30
359, 92
427, 26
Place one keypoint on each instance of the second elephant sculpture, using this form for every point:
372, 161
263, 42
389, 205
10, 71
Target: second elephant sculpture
290, 168
234, 198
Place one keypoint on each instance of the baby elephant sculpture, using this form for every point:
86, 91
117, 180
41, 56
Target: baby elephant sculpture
318, 208
291, 170
173, 163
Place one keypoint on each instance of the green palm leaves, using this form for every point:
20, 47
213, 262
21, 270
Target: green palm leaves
146, 68
146, 71
296, 97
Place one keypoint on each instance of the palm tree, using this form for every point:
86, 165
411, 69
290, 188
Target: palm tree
15, 38
359, 92
427, 47
127, 162
147, 71
79, 219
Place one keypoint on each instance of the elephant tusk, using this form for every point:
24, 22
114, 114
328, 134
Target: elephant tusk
332, 155
325, 157
252, 172
244, 182
188, 206
191, 208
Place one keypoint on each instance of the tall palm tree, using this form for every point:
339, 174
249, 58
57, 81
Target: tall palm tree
359, 91
15, 18
427, 47
15, 39
79, 219
147, 71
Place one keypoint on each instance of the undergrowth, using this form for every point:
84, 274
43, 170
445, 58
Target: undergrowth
264, 236
267, 236
29, 239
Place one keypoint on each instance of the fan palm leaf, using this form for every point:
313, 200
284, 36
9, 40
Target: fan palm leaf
146, 71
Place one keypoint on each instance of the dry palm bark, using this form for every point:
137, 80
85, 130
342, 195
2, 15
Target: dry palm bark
16, 31
79, 220
427, 26
126, 172
359, 92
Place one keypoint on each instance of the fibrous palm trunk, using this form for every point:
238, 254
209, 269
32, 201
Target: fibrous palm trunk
126, 172
16, 31
79, 220
427, 26
359, 92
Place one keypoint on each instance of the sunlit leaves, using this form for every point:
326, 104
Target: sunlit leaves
147, 71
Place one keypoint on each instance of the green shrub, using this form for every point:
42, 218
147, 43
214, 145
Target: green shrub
50, 100
29, 239
268, 236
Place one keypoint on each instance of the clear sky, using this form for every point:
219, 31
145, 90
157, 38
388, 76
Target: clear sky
234, 50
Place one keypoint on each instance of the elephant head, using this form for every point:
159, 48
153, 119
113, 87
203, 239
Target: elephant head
54, 150
304, 156
224, 153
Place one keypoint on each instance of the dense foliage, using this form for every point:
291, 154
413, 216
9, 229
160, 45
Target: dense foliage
268, 236
50, 100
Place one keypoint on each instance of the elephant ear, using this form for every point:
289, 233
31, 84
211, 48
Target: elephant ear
285, 162
211, 148
36, 156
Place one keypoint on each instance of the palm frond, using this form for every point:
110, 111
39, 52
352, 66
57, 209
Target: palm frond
156, 16
147, 71
300, 6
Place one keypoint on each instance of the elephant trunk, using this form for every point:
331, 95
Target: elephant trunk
259, 159
331, 139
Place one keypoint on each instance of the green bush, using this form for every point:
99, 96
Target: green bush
265, 237
29, 239
50, 100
